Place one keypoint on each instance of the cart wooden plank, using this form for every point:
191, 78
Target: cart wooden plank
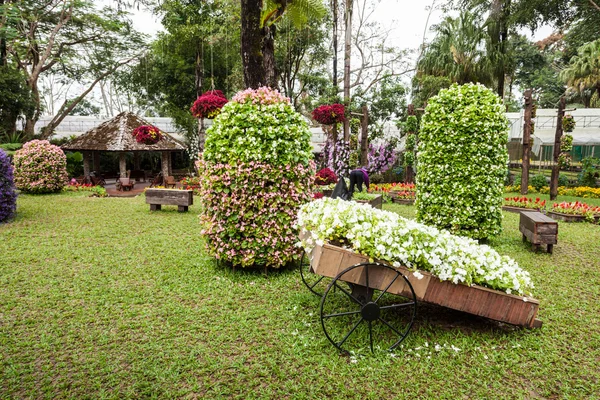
329, 260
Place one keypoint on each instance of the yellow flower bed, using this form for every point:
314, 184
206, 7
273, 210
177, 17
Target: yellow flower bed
582, 191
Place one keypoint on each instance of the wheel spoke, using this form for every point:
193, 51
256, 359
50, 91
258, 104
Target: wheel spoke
350, 333
347, 294
397, 305
389, 326
387, 287
371, 335
317, 282
341, 314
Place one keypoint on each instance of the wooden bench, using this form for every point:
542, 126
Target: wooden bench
538, 229
180, 198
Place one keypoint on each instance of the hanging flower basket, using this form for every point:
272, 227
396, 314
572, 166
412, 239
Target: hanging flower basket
329, 114
209, 104
147, 134
566, 143
564, 160
568, 123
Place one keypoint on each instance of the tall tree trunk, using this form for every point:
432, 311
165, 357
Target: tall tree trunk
252, 37
268, 50
334, 7
347, 54
3, 42
559, 132
199, 70
364, 137
32, 120
499, 14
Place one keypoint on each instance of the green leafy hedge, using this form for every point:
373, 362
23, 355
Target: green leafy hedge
462, 161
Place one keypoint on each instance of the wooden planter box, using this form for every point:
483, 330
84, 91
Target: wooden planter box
407, 202
180, 198
518, 209
566, 217
327, 192
538, 229
377, 202
328, 260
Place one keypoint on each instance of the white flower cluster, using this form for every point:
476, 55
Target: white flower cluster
384, 235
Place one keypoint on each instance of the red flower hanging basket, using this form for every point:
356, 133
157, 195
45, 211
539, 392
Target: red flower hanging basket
209, 104
329, 114
147, 134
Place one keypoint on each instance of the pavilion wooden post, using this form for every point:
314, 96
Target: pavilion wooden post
164, 164
97, 161
526, 142
170, 163
364, 136
86, 166
123, 164
559, 132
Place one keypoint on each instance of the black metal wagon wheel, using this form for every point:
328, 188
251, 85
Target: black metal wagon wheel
315, 283
376, 312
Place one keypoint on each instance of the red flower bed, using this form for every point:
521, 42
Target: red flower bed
525, 202
329, 114
325, 177
147, 134
318, 195
575, 208
209, 104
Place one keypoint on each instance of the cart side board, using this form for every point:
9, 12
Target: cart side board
328, 260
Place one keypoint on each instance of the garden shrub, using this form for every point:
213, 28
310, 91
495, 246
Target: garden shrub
462, 161
563, 180
538, 181
8, 194
255, 173
40, 167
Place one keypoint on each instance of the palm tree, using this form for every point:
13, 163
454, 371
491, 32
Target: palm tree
459, 51
582, 75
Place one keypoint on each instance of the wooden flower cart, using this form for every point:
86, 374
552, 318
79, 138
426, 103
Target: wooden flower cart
373, 304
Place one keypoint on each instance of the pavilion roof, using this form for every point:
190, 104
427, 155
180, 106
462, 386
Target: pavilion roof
117, 135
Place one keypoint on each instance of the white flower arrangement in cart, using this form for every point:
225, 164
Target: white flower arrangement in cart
386, 236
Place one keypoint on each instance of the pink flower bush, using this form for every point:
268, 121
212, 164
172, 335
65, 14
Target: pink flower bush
40, 167
249, 211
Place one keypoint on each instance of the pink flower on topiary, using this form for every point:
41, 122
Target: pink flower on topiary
263, 95
40, 167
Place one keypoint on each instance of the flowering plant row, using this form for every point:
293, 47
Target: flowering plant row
392, 187
147, 134
249, 211
525, 202
96, 191
383, 235
329, 114
325, 176
190, 183
40, 167
209, 104
8, 194
580, 191
577, 208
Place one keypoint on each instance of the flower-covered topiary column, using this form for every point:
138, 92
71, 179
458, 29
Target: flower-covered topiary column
255, 173
8, 195
462, 161
40, 167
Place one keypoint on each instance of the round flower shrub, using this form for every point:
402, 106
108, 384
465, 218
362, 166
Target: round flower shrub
255, 173
462, 161
147, 134
329, 114
40, 167
8, 195
209, 105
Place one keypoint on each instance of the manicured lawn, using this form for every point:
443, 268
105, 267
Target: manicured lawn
100, 298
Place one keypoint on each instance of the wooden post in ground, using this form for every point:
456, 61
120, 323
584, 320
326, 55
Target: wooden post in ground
526, 142
123, 164
364, 136
86, 166
164, 164
559, 131
410, 172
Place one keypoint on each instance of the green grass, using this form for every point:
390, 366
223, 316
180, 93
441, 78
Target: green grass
100, 298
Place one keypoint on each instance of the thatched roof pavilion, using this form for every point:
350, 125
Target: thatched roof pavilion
117, 135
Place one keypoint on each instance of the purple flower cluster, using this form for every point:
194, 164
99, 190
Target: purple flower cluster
8, 194
40, 167
337, 157
381, 158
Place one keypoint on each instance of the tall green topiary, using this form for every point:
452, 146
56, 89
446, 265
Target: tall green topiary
255, 172
40, 167
462, 161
